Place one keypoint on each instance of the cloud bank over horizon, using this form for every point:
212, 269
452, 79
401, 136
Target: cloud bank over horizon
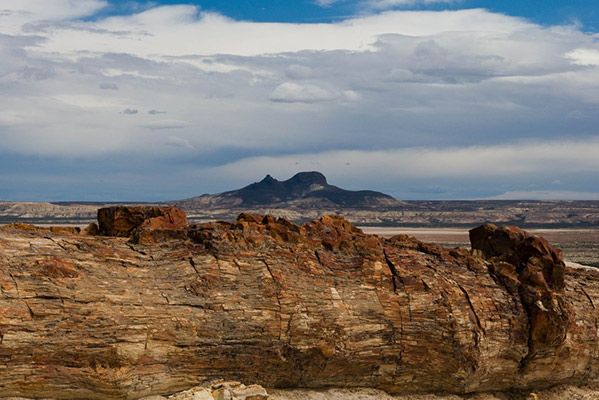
420, 104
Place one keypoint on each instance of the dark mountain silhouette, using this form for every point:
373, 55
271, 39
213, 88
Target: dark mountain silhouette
303, 190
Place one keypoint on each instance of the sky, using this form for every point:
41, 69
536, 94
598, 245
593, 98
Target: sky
421, 99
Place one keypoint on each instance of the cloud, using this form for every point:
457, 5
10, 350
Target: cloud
450, 93
24, 11
538, 158
158, 32
296, 71
179, 142
423, 78
588, 57
351, 95
108, 86
166, 124
36, 73
328, 3
289, 92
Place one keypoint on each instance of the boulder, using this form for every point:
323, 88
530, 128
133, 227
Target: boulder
124, 220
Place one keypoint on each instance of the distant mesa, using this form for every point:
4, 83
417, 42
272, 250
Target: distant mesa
307, 190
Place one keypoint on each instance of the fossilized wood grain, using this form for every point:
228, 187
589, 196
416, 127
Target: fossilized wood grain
99, 317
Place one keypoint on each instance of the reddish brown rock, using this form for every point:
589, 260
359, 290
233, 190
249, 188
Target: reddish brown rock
148, 236
91, 230
124, 220
511, 244
65, 230
529, 266
21, 226
265, 301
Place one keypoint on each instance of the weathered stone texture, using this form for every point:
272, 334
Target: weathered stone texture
124, 220
533, 270
263, 300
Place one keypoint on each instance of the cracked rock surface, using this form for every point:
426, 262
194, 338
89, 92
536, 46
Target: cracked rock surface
263, 300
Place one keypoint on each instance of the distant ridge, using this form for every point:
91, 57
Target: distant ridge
308, 195
308, 190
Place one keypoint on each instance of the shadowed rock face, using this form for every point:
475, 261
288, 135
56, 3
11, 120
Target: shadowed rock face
266, 301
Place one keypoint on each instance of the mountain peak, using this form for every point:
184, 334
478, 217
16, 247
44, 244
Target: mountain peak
309, 177
268, 179
305, 190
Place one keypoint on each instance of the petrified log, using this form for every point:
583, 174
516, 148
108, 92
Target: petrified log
265, 301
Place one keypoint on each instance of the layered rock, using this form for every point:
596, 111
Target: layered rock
266, 301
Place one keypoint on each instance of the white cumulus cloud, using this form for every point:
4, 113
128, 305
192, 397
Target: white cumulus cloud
289, 92
15, 13
589, 57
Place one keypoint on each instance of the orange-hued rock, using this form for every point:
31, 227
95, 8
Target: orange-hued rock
265, 301
21, 226
67, 230
124, 220
91, 230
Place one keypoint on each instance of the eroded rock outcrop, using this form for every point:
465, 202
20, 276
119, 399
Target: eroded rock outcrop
535, 271
125, 220
266, 301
